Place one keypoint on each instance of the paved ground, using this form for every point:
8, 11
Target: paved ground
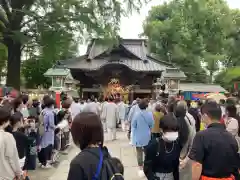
119, 148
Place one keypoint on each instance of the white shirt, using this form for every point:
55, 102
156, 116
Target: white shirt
121, 110
82, 106
75, 109
9, 161
92, 107
232, 125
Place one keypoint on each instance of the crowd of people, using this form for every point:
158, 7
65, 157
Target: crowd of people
174, 139
32, 132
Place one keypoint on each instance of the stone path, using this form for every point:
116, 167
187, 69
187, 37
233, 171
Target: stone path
119, 148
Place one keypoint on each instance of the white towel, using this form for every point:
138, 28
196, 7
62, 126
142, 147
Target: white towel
22, 162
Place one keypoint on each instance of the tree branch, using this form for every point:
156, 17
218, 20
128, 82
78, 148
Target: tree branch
34, 18
5, 5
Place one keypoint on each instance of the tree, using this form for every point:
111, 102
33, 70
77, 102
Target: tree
3, 48
228, 77
52, 46
28, 18
233, 42
193, 32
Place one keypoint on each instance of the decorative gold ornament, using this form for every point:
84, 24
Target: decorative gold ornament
114, 87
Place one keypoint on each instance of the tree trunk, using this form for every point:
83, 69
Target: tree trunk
13, 63
211, 77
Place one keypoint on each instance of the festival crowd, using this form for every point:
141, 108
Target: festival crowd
174, 139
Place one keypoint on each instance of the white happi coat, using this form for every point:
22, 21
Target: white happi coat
110, 114
121, 110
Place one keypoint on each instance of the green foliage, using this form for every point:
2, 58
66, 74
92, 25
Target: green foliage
228, 77
193, 32
33, 70
233, 42
3, 48
53, 46
35, 25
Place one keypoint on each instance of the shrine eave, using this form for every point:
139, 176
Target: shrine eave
56, 72
149, 65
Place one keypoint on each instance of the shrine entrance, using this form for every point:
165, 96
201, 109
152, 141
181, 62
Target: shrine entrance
114, 71
114, 87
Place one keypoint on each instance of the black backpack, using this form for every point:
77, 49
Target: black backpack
106, 169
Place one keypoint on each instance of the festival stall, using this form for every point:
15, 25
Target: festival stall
197, 91
215, 96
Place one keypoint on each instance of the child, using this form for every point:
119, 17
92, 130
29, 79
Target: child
32, 144
57, 145
20, 138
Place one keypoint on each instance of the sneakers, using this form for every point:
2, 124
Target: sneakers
141, 174
48, 166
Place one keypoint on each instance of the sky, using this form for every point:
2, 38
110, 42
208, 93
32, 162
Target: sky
131, 26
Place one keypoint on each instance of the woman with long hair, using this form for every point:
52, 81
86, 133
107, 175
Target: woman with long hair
187, 133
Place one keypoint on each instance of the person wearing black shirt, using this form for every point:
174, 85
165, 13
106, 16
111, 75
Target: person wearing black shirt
214, 150
20, 137
162, 154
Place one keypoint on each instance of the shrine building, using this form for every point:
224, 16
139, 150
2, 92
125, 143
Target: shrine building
129, 64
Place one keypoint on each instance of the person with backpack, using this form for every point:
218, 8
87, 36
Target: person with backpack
162, 153
93, 162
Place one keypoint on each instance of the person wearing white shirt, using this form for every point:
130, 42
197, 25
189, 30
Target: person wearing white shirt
110, 114
92, 107
82, 105
9, 161
75, 108
102, 116
122, 111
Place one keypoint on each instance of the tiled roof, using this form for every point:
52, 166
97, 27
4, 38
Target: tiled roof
200, 87
96, 50
141, 59
173, 73
57, 72
134, 64
137, 47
